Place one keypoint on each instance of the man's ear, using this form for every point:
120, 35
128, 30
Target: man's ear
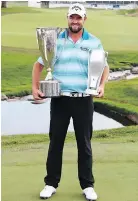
85, 18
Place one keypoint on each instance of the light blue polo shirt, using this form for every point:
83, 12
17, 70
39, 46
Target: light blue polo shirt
70, 65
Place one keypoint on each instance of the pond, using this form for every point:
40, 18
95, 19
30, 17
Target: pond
22, 117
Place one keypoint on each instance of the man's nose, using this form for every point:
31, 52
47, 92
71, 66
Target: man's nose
74, 20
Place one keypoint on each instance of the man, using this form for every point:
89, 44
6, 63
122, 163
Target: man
71, 69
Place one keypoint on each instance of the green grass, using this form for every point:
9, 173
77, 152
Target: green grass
17, 66
18, 10
122, 60
17, 71
128, 12
117, 33
20, 51
115, 167
125, 134
122, 95
115, 151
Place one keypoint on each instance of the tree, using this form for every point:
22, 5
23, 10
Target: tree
4, 4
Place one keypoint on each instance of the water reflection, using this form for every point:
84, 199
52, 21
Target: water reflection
22, 117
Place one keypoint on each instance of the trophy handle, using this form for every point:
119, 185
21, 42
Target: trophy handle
59, 30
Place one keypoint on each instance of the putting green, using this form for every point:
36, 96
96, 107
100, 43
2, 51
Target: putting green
115, 169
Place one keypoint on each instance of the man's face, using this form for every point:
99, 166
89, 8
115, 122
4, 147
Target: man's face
75, 23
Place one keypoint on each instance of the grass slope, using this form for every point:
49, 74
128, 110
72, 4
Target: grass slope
121, 95
17, 66
125, 134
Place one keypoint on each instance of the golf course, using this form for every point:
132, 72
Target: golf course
115, 151
115, 166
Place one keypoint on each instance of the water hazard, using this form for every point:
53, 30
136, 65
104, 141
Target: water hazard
22, 117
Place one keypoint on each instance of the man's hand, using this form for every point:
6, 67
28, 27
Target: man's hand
37, 68
100, 91
37, 94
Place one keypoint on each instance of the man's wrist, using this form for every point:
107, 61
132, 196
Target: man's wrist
102, 84
35, 87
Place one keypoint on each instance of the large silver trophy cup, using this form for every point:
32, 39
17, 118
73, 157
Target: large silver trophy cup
96, 64
47, 42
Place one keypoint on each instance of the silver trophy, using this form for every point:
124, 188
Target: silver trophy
96, 64
47, 42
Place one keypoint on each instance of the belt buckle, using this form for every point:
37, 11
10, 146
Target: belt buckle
74, 94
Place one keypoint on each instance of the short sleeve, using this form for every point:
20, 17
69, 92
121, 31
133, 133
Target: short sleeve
40, 60
100, 46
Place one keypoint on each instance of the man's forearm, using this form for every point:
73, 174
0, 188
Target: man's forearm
105, 75
37, 68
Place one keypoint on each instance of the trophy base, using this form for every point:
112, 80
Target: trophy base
92, 92
50, 88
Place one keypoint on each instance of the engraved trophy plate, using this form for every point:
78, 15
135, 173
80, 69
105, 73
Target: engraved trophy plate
51, 88
96, 64
47, 42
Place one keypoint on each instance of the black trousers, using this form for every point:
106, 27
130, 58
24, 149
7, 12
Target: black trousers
81, 111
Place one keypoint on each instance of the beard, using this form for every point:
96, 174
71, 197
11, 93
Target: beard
75, 30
